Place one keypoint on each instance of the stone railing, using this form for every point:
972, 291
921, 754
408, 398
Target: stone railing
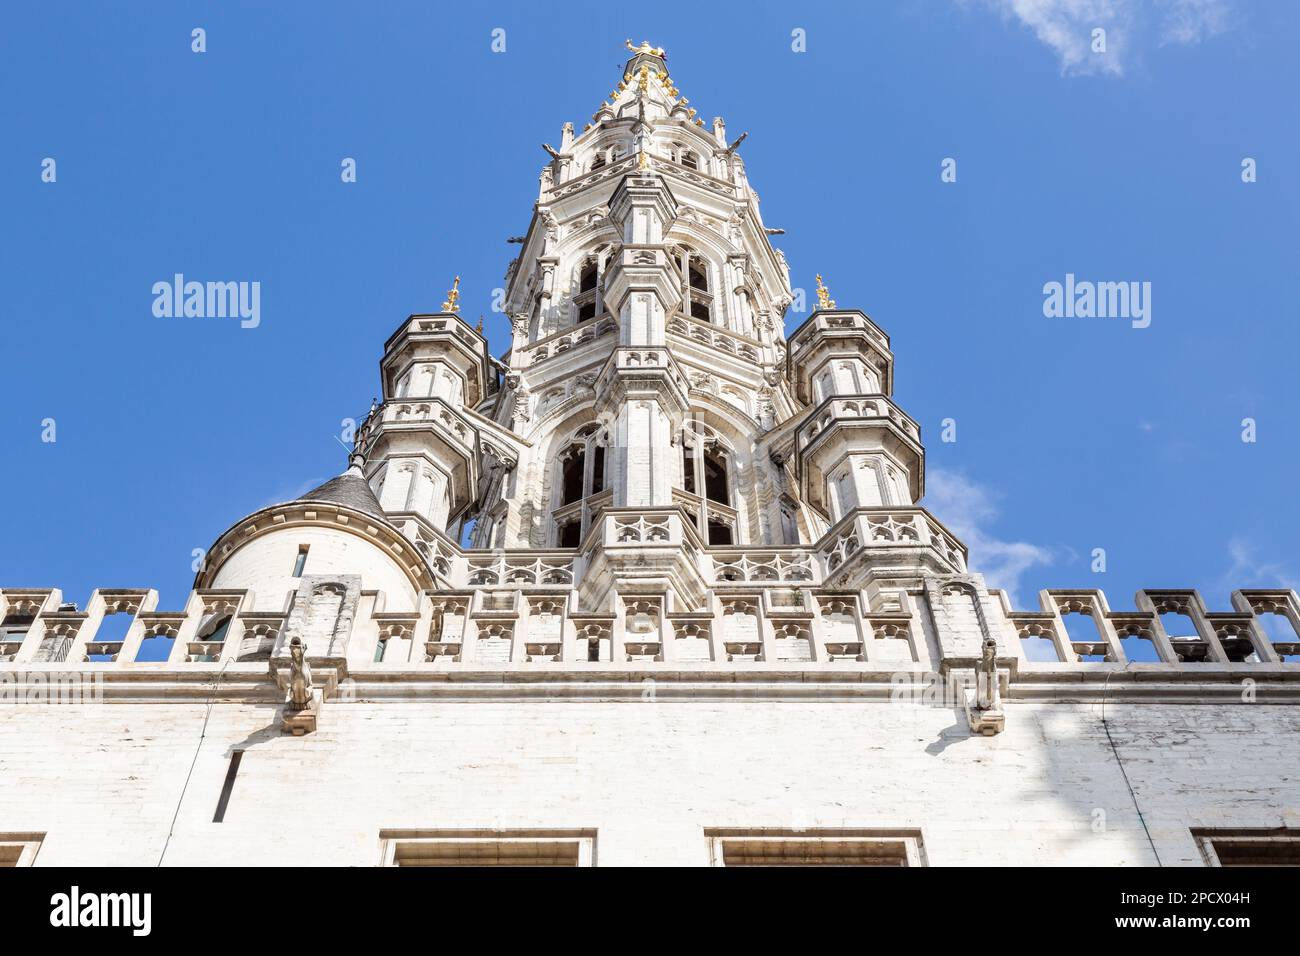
417, 411
524, 612
1168, 627
530, 568
855, 407
835, 322
870, 528
560, 342
724, 340
757, 565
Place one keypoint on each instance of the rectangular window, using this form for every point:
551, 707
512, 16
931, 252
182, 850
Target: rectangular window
228, 786
19, 849
487, 847
598, 470
1276, 846
301, 562
776, 847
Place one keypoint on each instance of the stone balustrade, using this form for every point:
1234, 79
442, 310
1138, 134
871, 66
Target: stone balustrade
725, 340
853, 408
433, 411
867, 529
571, 338
523, 610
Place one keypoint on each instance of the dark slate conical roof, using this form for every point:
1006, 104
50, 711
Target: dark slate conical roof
349, 489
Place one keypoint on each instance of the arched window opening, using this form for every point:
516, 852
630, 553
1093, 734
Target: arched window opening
698, 277
706, 479
580, 476
467, 529
695, 291
598, 470
715, 477
573, 462
585, 298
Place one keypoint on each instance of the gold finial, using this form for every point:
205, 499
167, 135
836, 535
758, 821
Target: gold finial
643, 160
479, 328
646, 48
824, 300
453, 297
643, 81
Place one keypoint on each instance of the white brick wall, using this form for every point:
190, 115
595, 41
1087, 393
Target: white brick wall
102, 780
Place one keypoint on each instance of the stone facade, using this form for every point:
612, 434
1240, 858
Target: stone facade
655, 586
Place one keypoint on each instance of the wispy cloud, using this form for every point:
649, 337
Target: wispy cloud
969, 510
291, 492
1067, 27
1248, 570
1191, 21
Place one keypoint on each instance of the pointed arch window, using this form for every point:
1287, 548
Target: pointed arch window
697, 296
707, 477
586, 300
580, 483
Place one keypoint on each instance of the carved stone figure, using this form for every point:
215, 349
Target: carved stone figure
300, 685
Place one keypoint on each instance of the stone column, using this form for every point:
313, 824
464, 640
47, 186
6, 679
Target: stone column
641, 393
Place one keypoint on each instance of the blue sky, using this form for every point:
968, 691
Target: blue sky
1072, 434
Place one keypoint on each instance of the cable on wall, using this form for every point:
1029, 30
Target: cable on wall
212, 700
1124, 773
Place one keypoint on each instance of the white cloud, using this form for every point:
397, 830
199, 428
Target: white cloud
1248, 570
969, 509
1191, 21
1067, 27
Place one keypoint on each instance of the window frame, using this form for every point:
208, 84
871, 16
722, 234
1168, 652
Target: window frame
27, 844
591, 498
905, 843
582, 841
1206, 837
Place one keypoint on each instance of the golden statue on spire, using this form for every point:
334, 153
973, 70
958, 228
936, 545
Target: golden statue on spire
647, 49
453, 297
824, 300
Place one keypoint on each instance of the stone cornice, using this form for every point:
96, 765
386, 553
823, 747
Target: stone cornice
1078, 684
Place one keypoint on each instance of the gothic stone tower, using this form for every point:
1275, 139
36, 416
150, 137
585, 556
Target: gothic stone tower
651, 432
655, 584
